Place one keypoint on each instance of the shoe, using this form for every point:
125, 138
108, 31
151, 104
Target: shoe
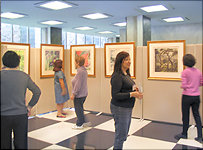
64, 113
61, 116
75, 127
198, 139
87, 124
179, 136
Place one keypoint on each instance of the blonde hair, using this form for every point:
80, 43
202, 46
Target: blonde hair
80, 60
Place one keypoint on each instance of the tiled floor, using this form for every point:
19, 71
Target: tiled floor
46, 131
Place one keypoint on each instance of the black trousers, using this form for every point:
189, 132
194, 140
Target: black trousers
79, 110
194, 102
19, 125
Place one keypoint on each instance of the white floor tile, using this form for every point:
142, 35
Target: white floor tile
136, 124
56, 133
136, 142
190, 142
53, 147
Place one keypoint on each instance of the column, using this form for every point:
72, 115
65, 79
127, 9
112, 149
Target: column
52, 35
122, 35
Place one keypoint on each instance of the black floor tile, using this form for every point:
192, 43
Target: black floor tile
159, 131
91, 139
185, 147
95, 120
37, 123
37, 144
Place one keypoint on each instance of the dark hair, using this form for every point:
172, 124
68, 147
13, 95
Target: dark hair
57, 65
189, 60
80, 60
118, 62
11, 59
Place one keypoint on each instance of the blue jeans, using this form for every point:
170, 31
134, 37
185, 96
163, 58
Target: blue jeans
79, 110
122, 119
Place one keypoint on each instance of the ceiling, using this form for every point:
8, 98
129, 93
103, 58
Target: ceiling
191, 11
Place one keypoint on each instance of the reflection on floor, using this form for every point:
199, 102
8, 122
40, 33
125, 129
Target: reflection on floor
46, 131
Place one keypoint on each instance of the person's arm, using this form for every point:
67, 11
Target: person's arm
184, 81
64, 91
78, 83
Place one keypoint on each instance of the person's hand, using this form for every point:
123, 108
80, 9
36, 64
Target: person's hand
136, 94
72, 97
29, 110
64, 92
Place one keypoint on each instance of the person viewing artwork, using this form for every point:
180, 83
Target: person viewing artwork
191, 80
61, 88
14, 112
80, 92
124, 92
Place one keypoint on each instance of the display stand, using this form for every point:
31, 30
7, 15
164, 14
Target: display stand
141, 101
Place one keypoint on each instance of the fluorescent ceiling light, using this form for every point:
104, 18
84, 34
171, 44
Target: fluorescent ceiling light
84, 28
154, 8
55, 5
122, 24
105, 32
95, 16
174, 19
11, 15
52, 22
117, 35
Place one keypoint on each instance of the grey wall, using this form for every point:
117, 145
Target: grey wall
192, 33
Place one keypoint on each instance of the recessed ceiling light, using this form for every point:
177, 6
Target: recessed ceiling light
174, 19
105, 32
11, 15
52, 22
121, 24
84, 28
154, 8
56, 5
95, 16
117, 35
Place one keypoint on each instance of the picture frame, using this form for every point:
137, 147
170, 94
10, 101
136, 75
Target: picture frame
48, 54
110, 52
165, 59
89, 53
23, 50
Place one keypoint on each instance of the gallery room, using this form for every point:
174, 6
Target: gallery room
155, 34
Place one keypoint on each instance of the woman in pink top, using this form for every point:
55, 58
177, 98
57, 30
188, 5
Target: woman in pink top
191, 79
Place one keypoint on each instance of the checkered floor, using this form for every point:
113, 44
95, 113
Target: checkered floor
46, 131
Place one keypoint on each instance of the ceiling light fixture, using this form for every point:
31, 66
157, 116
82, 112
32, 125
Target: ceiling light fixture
52, 22
121, 24
95, 16
105, 32
84, 28
154, 8
173, 19
56, 5
11, 15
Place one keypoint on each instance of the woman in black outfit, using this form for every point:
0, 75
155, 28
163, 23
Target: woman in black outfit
123, 98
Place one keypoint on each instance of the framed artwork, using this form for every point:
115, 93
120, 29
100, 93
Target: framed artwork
165, 59
86, 51
48, 54
110, 52
23, 50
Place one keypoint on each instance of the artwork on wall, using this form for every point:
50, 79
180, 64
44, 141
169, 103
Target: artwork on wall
48, 54
23, 50
86, 51
165, 59
110, 52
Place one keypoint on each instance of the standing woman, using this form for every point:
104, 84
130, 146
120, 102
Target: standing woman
14, 112
123, 92
61, 88
80, 92
191, 79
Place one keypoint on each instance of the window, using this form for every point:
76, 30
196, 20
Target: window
89, 39
64, 39
35, 37
71, 40
80, 39
20, 34
6, 32
103, 40
97, 41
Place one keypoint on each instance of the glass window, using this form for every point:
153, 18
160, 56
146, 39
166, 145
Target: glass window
97, 41
89, 39
71, 40
103, 41
35, 37
80, 39
6, 32
20, 34
64, 39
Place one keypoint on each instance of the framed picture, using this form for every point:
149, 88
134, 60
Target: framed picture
23, 50
110, 52
86, 51
165, 59
48, 54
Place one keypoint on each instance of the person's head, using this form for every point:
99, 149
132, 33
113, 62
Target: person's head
11, 59
122, 62
79, 61
58, 65
189, 60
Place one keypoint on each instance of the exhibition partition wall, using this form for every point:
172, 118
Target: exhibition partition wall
161, 101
